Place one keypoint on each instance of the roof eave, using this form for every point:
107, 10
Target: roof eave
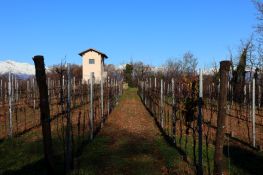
94, 50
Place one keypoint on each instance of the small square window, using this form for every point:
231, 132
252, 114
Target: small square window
91, 61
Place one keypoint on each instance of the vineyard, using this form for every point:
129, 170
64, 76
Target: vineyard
131, 87
205, 119
20, 99
78, 110
186, 109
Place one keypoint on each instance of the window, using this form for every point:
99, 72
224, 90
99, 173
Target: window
91, 61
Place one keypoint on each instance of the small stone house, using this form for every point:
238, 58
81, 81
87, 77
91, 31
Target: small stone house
93, 62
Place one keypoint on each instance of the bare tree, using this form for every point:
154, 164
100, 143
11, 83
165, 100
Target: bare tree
76, 71
189, 63
259, 6
172, 68
110, 69
238, 75
140, 71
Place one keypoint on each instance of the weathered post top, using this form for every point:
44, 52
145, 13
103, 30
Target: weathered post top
38, 57
39, 63
225, 65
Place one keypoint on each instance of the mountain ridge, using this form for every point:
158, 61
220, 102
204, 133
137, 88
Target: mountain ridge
14, 67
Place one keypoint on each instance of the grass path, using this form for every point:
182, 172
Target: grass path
130, 143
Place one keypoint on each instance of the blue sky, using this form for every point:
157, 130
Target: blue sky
147, 30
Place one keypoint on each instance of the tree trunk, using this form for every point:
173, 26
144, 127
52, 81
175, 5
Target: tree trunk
44, 112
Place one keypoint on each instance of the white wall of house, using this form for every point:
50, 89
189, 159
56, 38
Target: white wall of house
97, 68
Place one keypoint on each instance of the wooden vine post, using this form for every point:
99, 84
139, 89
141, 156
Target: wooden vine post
101, 101
44, 111
91, 107
69, 145
221, 117
162, 105
10, 131
174, 112
199, 121
253, 112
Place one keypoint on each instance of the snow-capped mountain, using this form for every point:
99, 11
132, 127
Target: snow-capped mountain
18, 68
121, 66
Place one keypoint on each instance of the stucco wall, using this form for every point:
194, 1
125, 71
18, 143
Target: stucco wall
88, 68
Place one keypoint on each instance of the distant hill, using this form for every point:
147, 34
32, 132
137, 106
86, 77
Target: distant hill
22, 70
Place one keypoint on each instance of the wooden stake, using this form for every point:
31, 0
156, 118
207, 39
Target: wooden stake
221, 118
69, 151
253, 113
101, 101
10, 132
44, 112
162, 122
200, 134
91, 106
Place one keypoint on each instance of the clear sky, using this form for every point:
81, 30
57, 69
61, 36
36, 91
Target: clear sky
146, 30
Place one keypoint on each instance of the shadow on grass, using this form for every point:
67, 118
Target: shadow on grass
249, 162
33, 168
167, 138
37, 168
128, 153
22, 157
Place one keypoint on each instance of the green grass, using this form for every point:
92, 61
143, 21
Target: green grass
129, 93
241, 161
17, 156
118, 159
244, 161
20, 156
170, 155
145, 158
189, 151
